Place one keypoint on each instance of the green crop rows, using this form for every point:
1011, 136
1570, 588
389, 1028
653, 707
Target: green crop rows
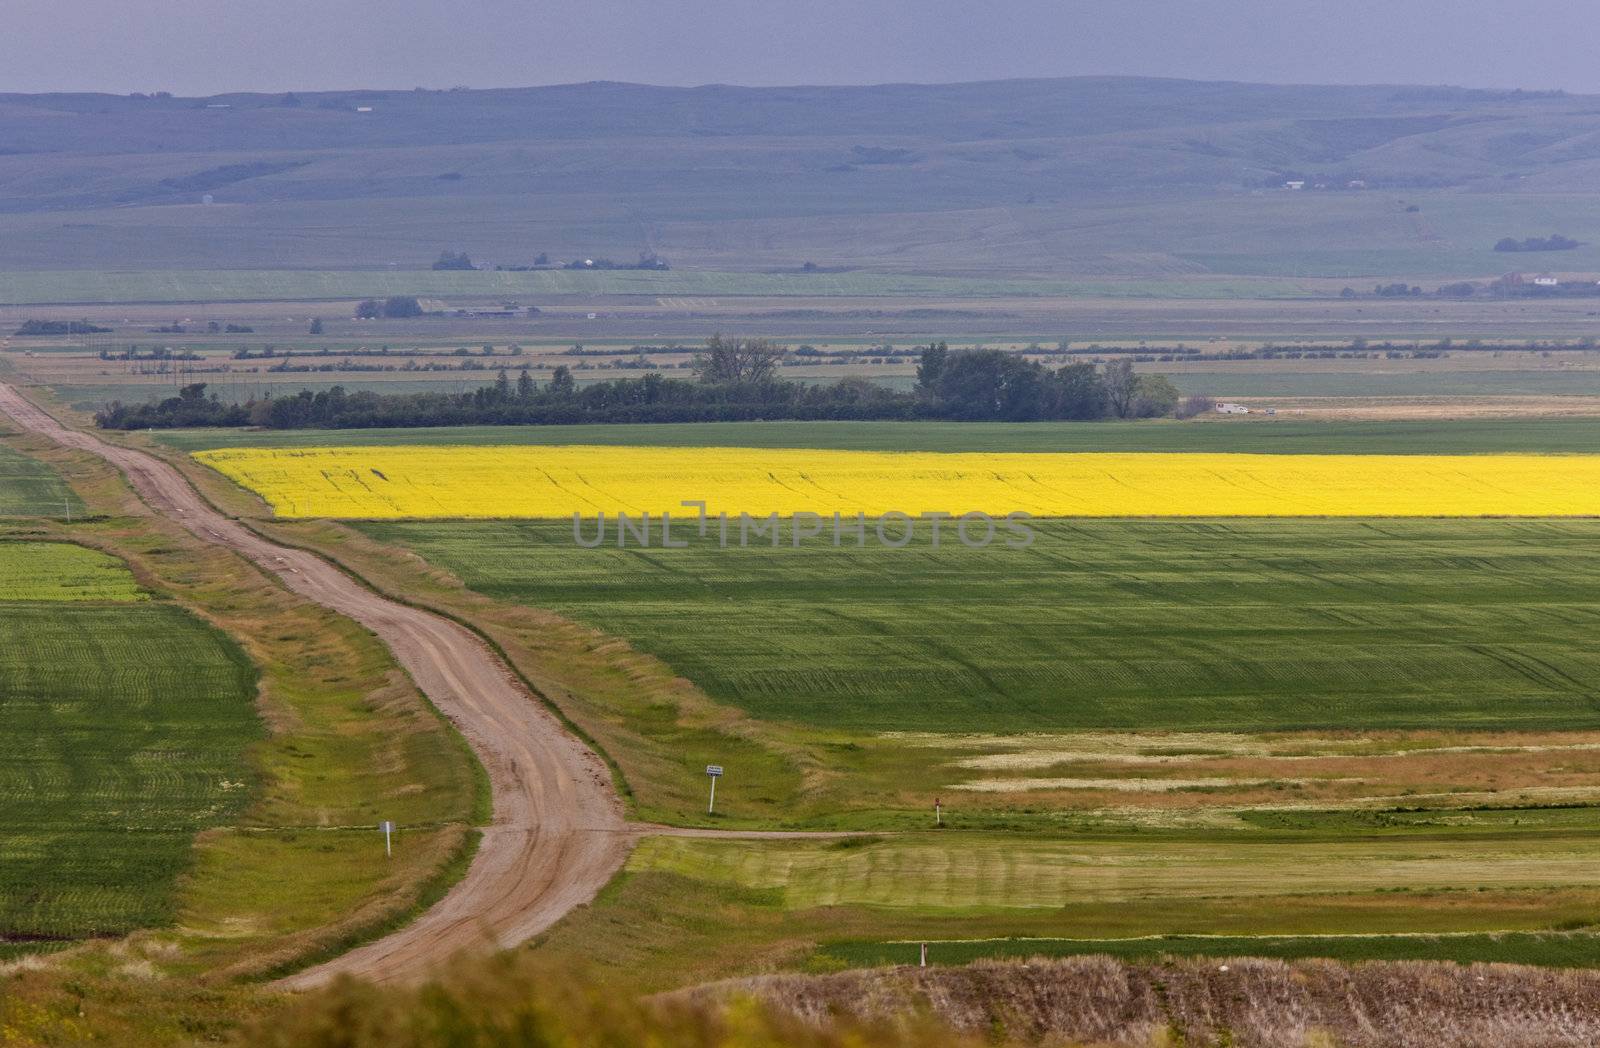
29, 488
122, 734
1447, 437
1215, 625
958, 873
1552, 949
55, 571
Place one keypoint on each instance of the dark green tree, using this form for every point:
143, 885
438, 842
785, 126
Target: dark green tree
561, 383
1121, 386
931, 366
728, 361
402, 306
1154, 397
1079, 392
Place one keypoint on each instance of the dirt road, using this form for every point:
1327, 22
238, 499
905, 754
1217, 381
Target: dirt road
558, 832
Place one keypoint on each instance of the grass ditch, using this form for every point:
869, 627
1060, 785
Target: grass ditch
429, 892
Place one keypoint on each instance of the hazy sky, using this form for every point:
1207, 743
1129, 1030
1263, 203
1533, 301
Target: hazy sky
211, 46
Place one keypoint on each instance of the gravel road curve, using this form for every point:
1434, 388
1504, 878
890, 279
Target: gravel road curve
558, 832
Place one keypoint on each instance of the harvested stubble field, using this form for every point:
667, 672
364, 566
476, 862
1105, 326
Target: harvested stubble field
559, 482
1141, 625
123, 729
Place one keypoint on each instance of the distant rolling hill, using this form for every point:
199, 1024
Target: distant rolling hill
1085, 176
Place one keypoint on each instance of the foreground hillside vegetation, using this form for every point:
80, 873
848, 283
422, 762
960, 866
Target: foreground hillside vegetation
1093, 1001
1261, 1004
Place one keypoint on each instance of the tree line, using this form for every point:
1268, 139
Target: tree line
735, 379
1553, 242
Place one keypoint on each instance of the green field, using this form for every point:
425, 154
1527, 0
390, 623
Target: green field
59, 571
963, 874
1216, 625
1256, 436
1552, 949
873, 901
29, 488
123, 726
1279, 382
88, 286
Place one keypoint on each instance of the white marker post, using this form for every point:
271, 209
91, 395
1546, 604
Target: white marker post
388, 828
715, 772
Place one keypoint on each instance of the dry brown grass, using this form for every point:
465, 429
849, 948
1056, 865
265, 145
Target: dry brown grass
1238, 1002
1427, 409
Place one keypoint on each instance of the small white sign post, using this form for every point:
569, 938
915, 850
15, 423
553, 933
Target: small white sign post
388, 828
714, 771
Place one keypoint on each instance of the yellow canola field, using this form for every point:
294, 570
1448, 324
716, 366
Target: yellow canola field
556, 482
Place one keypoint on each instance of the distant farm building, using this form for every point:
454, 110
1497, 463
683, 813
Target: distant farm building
1545, 280
1296, 184
1232, 409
